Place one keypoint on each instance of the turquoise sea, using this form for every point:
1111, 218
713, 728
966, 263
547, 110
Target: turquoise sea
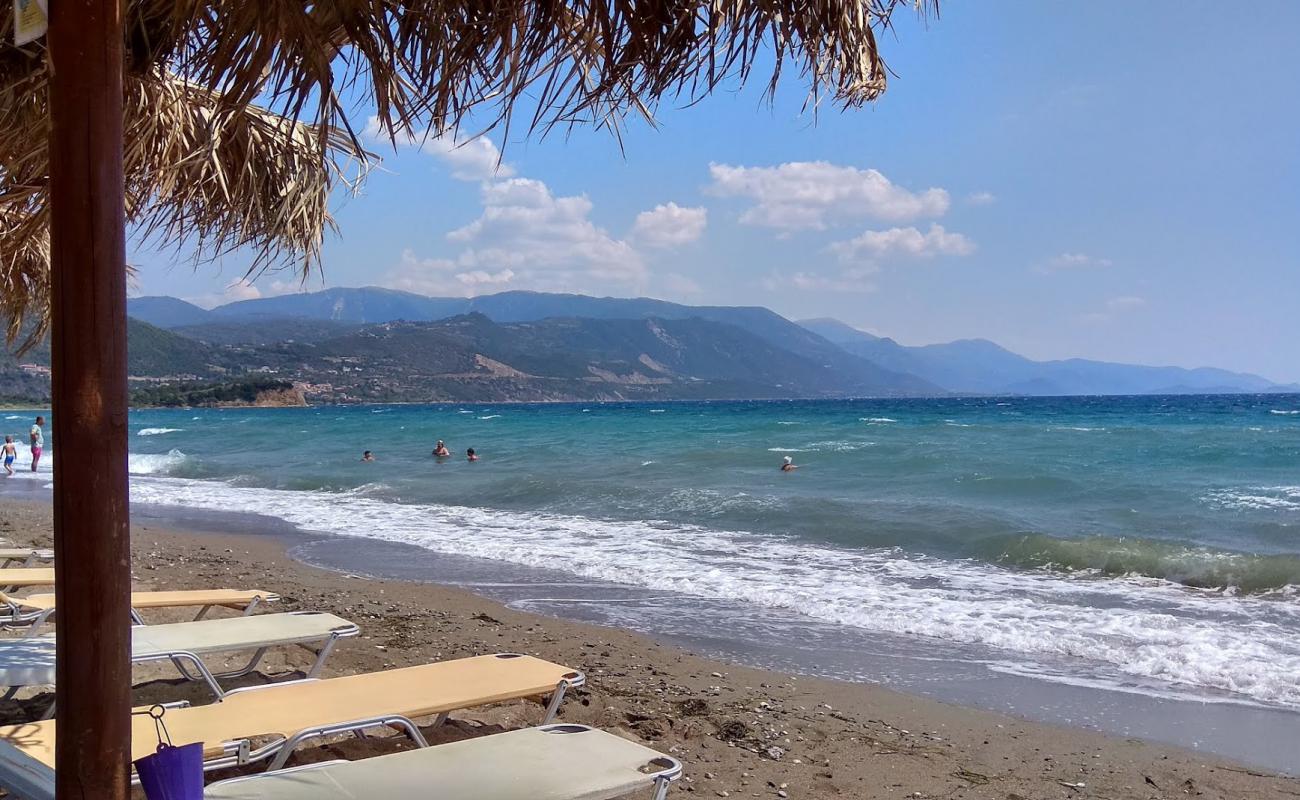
1150, 544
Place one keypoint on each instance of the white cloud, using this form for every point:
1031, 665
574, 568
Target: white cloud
682, 285
1071, 261
1125, 303
242, 289
813, 194
669, 225
470, 159
905, 242
1114, 307
981, 198
854, 281
526, 237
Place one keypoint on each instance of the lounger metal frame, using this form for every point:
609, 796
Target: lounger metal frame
181, 658
241, 752
36, 556
36, 620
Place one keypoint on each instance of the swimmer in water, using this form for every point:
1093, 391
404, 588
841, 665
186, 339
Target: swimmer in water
787, 465
470, 455
440, 450
367, 456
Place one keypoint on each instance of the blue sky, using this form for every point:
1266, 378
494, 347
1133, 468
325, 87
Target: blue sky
1108, 180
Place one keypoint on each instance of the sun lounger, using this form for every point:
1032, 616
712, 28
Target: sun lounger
25, 577
36, 609
26, 556
29, 661
294, 712
553, 762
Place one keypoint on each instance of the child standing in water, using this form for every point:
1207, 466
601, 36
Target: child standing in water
10, 453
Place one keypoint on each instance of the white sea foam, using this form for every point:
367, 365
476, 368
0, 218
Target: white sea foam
876, 420
155, 463
786, 450
1144, 628
464, 411
157, 431
1284, 412
491, 416
840, 447
1274, 498
646, 463
783, 422
1083, 428
657, 410
13, 416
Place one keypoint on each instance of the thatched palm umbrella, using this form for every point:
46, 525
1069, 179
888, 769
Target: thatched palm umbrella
224, 124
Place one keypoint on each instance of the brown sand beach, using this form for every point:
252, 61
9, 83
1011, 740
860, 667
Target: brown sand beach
741, 732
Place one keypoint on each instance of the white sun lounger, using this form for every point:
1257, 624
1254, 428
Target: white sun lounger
553, 762
291, 713
37, 609
29, 661
26, 556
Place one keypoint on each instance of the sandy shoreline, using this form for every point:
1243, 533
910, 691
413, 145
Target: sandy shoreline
741, 732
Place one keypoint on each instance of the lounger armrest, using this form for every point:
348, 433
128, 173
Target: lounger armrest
277, 685
352, 726
23, 776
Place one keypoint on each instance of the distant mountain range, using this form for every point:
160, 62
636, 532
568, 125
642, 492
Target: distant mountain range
373, 344
978, 366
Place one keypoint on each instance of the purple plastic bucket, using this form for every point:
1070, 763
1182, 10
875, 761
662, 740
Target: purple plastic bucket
172, 773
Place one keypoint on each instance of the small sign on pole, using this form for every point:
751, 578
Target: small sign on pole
31, 18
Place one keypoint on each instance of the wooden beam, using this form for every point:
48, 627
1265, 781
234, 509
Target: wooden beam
89, 425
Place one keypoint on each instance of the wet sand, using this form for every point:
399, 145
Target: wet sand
741, 732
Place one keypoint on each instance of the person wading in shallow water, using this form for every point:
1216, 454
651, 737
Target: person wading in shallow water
38, 441
788, 465
470, 455
440, 450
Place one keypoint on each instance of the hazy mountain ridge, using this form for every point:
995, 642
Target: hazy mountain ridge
540, 340
470, 357
978, 366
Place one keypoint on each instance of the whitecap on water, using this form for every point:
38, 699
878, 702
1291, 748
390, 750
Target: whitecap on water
490, 416
1149, 629
154, 463
157, 431
1284, 412
1275, 498
876, 420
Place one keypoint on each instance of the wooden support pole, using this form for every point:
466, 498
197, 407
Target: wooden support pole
89, 425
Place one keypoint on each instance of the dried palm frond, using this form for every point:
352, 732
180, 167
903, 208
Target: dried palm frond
242, 115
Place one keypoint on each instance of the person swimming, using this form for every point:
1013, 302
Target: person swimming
440, 450
367, 456
788, 465
470, 455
